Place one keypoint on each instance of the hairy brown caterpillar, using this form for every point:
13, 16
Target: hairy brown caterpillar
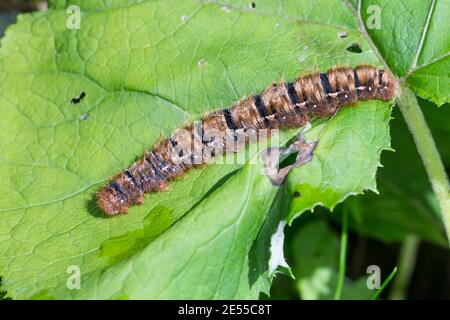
282, 105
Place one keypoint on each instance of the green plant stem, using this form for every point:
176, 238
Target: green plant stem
342, 255
406, 264
384, 285
413, 115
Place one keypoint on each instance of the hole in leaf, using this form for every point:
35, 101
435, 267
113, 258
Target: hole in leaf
288, 161
296, 194
278, 162
78, 98
342, 34
201, 63
84, 116
355, 48
252, 5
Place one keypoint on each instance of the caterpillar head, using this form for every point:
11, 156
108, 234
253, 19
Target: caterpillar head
388, 86
111, 202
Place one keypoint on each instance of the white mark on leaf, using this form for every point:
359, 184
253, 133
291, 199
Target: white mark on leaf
276, 249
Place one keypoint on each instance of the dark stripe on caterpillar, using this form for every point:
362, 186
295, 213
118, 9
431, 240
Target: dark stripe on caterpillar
357, 83
154, 166
325, 83
355, 76
159, 162
259, 104
291, 105
114, 185
380, 76
133, 180
198, 126
178, 150
229, 119
292, 96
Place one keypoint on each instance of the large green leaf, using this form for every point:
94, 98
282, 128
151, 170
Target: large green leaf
343, 164
413, 41
405, 204
138, 64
